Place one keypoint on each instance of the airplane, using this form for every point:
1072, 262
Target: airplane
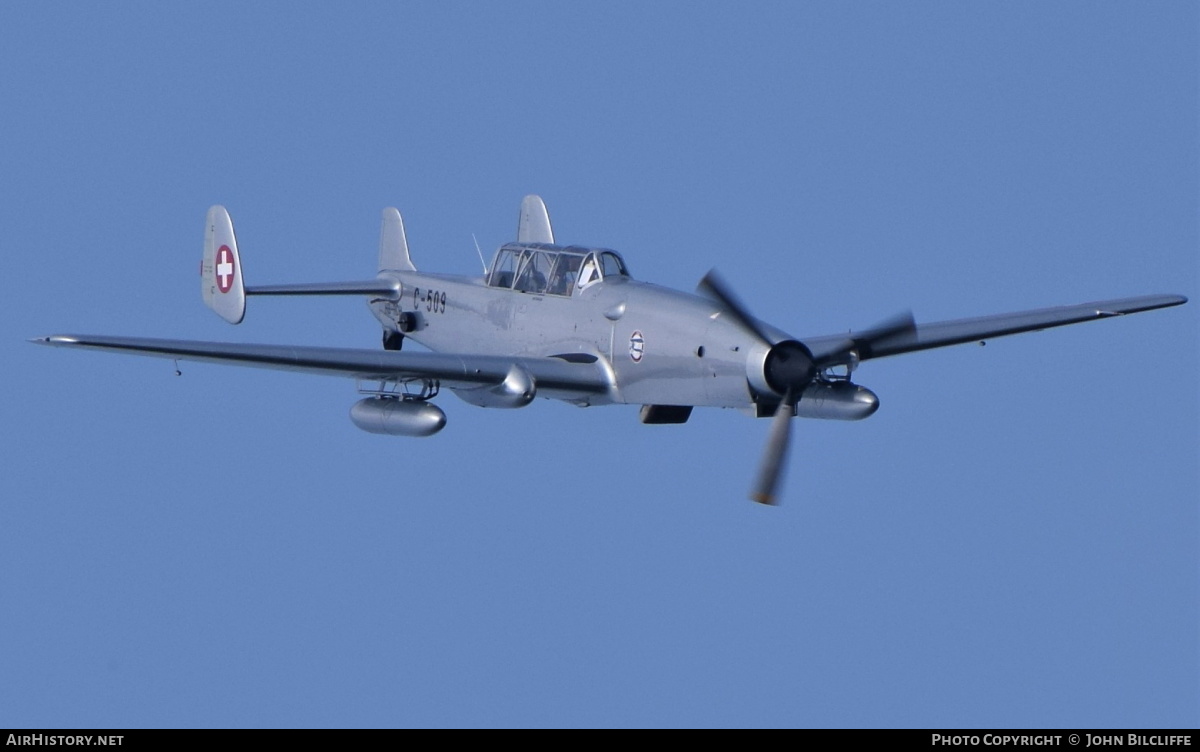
569, 322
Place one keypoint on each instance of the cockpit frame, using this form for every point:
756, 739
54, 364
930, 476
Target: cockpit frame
547, 269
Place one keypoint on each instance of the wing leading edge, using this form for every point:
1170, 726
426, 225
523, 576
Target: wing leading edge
555, 375
959, 331
573, 379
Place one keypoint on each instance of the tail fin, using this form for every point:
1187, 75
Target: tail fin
393, 245
533, 226
221, 268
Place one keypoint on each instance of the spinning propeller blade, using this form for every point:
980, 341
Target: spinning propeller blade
714, 286
770, 470
898, 330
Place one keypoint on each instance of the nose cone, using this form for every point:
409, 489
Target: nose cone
788, 365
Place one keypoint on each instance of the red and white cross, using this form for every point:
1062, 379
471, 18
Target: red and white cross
224, 268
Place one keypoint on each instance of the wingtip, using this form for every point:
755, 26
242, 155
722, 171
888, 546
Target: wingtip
1167, 301
54, 339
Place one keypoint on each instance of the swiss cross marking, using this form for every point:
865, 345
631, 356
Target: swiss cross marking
224, 268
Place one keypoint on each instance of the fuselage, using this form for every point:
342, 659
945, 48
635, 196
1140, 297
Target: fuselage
658, 346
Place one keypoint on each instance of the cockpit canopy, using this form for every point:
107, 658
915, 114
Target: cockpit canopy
545, 269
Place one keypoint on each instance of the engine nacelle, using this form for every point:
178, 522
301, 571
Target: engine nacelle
517, 390
837, 400
780, 367
397, 417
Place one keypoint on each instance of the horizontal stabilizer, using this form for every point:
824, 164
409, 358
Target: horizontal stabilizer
382, 287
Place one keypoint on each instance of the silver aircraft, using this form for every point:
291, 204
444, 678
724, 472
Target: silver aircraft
569, 322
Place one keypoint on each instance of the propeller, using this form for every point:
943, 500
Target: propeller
789, 367
770, 469
897, 330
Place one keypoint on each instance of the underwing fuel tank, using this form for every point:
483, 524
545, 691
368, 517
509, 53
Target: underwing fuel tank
839, 400
397, 417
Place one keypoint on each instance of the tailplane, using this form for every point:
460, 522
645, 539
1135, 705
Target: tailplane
221, 269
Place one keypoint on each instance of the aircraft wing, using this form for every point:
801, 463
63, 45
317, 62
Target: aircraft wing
945, 333
453, 371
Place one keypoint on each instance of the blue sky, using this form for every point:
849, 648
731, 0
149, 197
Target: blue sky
1011, 540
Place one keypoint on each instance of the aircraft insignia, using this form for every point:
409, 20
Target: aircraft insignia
224, 268
637, 346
